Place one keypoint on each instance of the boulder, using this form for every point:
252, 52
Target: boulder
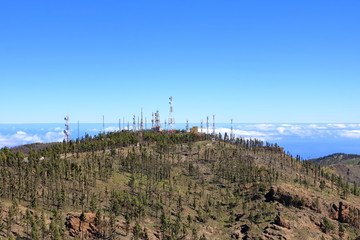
281, 221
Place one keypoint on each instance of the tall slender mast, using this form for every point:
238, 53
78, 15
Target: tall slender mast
152, 120
141, 121
207, 124
67, 129
232, 136
201, 126
171, 120
187, 125
134, 123
213, 125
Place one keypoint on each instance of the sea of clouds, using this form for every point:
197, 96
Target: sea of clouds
308, 140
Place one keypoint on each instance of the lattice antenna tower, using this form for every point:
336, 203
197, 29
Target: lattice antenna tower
141, 126
67, 129
187, 125
213, 125
141, 121
201, 126
207, 124
171, 121
152, 120
157, 119
134, 123
138, 123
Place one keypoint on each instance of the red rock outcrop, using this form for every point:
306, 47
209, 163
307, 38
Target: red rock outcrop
77, 227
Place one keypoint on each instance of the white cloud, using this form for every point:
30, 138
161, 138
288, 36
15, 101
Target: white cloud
264, 136
315, 126
337, 125
54, 137
261, 127
19, 138
281, 130
111, 129
350, 133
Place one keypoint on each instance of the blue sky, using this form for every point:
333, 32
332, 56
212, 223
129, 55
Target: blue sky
253, 61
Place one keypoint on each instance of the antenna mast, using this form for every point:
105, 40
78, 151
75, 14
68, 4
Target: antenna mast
134, 123
141, 122
67, 129
141, 126
171, 121
201, 126
152, 120
157, 126
213, 125
187, 125
207, 124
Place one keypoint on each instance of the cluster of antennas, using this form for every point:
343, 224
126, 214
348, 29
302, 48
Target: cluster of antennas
67, 129
156, 125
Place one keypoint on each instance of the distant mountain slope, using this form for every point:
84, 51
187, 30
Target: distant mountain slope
347, 165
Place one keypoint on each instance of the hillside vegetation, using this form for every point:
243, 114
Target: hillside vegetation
171, 186
346, 165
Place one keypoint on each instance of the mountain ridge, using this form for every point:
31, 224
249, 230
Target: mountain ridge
172, 186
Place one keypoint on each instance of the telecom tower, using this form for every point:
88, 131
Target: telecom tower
201, 126
232, 135
141, 121
171, 121
134, 123
67, 129
141, 126
187, 126
152, 121
207, 124
157, 126
213, 126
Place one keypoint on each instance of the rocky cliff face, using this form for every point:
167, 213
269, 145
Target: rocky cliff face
81, 225
303, 209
